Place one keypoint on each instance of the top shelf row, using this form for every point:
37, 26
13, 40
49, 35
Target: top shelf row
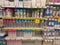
28, 3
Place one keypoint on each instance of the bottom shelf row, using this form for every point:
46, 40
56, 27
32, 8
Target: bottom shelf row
30, 42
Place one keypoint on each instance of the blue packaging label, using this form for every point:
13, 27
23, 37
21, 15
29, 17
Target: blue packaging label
27, 31
49, 12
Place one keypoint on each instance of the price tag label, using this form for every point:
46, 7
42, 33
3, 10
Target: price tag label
58, 19
37, 21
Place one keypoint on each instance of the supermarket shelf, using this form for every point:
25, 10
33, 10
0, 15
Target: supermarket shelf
56, 3
30, 18
49, 28
57, 37
19, 18
53, 3
23, 7
31, 38
6, 28
47, 40
57, 28
8, 6
49, 37
50, 3
23, 38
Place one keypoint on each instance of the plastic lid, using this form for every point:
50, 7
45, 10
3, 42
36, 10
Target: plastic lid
20, 10
25, 20
19, 20
17, 10
22, 20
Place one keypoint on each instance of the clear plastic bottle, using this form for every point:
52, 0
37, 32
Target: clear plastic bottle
17, 12
24, 13
8, 12
21, 13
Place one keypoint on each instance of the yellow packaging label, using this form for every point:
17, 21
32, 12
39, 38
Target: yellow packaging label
37, 21
58, 19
